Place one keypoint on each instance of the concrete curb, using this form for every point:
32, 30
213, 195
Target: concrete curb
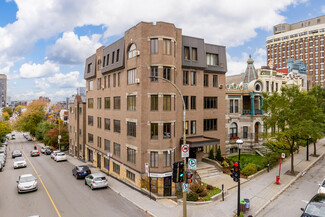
289, 184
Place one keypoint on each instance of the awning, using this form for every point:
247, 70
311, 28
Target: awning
200, 141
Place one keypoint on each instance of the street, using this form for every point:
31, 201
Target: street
298, 195
69, 197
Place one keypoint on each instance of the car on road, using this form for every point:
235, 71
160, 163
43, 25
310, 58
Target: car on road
34, 153
81, 171
54, 153
13, 136
19, 162
96, 180
321, 189
29, 138
315, 207
48, 151
16, 153
1, 167
44, 148
3, 160
26, 183
60, 157
3, 150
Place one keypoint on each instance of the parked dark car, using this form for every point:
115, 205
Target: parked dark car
315, 207
48, 151
81, 171
16, 153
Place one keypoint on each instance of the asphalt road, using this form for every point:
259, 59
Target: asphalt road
298, 195
69, 197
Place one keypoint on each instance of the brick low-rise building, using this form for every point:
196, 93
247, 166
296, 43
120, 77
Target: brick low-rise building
133, 119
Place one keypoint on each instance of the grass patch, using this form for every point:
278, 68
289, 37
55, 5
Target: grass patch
210, 193
259, 161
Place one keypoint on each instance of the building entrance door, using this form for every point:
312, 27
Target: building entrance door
168, 186
90, 155
256, 131
99, 161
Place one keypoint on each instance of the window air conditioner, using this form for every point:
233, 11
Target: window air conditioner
102, 87
137, 53
137, 80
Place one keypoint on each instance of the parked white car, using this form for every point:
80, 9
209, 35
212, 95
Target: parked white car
19, 162
97, 180
321, 189
60, 157
54, 154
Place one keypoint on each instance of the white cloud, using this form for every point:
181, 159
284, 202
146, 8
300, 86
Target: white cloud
66, 80
238, 65
32, 70
41, 83
323, 9
73, 50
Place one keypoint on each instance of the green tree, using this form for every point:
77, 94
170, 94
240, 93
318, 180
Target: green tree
18, 108
5, 128
42, 131
294, 118
53, 136
29, 120
8, 110
5, 116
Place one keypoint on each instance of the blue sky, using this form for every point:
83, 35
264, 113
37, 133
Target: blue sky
44, 43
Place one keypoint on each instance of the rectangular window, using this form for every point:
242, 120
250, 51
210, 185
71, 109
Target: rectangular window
131, 103
245, 132
186, 102
107, 60
119, 79
107, 102
109, 81
99, 142
231, 106
117, 54
117, 126
89, 67
206, 80
107, 124
117, 149
114, 80
166, 73
154, 102
105, 81
91, 85
99, 83
154, 159
267, 86
193, 102
131, 155
104, 61
117, 102
215, 80
130, 175
167, 158
99, 103
167, 101
212, 59
131, 129
154, 73
236, 106
167, 46
90, 138
107, 144
90, 103
99, 122
113, 56
185, 77
193, 127
154, 130
210, 102
193, 78
186, 53
167, 130
194, 53
132, 75
154, 45
277, 87
210, 124
90, 120
116, 168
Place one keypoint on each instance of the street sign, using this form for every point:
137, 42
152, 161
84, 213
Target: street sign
185, 187
283, 155
192, 164
185, 150
146, 165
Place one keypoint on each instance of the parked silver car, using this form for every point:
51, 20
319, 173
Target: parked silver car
26, 183
96, 180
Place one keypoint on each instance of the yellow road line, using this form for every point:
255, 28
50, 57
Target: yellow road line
57, 211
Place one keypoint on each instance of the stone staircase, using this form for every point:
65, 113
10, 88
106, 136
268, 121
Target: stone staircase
262, 150
206, 170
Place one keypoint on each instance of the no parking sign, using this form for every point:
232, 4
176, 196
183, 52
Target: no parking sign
185, 150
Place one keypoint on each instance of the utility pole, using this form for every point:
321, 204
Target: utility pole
239, 143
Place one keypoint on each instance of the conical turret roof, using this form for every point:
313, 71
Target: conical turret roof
250, 73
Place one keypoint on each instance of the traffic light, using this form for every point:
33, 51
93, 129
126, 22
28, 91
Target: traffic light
236, 172
175, 170
189, 177
181, 171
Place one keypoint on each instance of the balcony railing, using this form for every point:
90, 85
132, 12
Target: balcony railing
248, 136
248, 112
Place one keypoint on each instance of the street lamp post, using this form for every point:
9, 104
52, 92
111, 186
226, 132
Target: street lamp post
184, 134
239, 144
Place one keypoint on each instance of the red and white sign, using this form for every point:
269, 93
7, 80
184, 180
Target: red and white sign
146, 165
185, 150
283, 155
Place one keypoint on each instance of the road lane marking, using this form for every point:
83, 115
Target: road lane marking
57, 211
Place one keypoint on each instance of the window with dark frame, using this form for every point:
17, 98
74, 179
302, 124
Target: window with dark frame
186, 53
154, 46
131, 103
117, 149
109, 81
107, 102
167, 130
99, 142
231, 106
153, 159
185, 78
119, 79
206, 80
210, 102
99, 103
107, 124
90, 103
154, 73
131, 155
89, 67
107, 145
167, 101
114, 80
117, 126
210, 125
193, 78
166, 73
186, 102
117, 102
131, 129
193, 127
90, 120
116, 168
215, 80
90, 138
117, 54
99, 122
130, 175
194, 53
245, 132
167, 158
154, 131
113, 56
154, 102
236, 106
107, 63
193, 102
104, 61
167, 46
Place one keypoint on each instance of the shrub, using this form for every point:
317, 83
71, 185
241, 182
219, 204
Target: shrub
203, 194
200, 189
249, 169
225, 164
273, 158
241, 214
210, 187
218, 156
211, 155
192, 196
194, 187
